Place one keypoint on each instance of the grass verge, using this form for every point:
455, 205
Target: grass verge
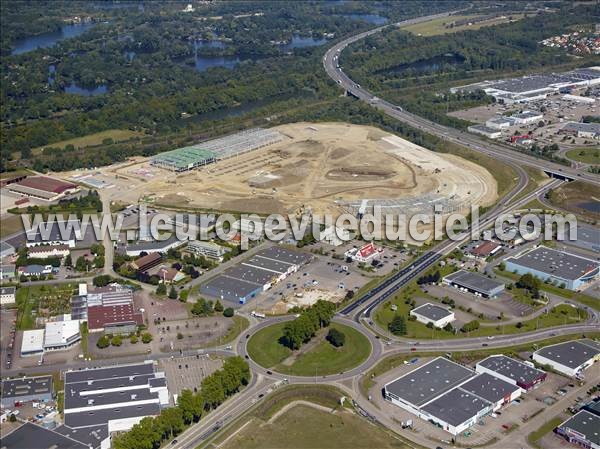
534, 437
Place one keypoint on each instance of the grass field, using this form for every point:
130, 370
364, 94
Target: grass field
585, 155
322, 359
577, 197
537, 435
537, 178
558, 316
10, 225
117, 135
303, 427
438, 26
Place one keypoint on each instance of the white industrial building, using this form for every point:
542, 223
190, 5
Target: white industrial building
450, 395
527, 117
32, 343
570, 358
207, 249
518, 373
7, 295
430, 313
500, 122
115, 398
490, 133
61, 335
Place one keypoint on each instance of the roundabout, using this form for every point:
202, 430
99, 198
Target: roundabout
317, 358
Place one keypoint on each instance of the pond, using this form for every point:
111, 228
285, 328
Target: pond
591, 206
50, 39
77, 90
302, 42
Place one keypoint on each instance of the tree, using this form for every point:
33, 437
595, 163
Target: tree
161, 289
191, 407
398, 325
228, 312
172, 293
103, 342
133, 339
336, 337
179, 336
218, 306
470, 326
12, 418
170, 422
448, 328
146, 337
68, 261
82, 264
202, 307
117, 340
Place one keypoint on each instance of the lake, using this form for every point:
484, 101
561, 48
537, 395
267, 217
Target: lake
50, 39
302, 42
76, 90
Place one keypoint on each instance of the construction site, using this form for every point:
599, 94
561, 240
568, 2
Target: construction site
304, 167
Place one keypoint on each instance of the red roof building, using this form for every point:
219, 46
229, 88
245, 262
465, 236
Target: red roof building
146, 262
121, 318
42, 187
365, 253
486, 249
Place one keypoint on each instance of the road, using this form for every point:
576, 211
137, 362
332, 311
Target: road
500, 152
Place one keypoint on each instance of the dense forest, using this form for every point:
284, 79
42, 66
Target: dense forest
143, 57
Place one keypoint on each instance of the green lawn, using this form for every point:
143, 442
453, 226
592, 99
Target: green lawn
558, 316
585, 155
117, 135
323, 359
10, 225
438, 26
537, 435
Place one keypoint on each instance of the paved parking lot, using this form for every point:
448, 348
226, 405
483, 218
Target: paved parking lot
188, 372
491, 308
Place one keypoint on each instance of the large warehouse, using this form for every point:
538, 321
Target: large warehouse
570, 358
582, 430
475, 283
42, 188
255, 275
25, 389
194, 156
514, 371
555, 266
113, 398
450, 395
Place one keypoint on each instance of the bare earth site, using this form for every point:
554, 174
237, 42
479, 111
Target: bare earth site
325, 167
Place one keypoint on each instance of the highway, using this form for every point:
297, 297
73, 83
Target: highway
500, 152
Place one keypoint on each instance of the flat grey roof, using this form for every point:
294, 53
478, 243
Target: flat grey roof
456, 406
102, 416
271, 265
571, 354
91, 437
585, 423
556, 263
285, 255
7, 290
109, 372
74, 397
229, 286
15, 388
489, 387
153, 244
516, 370
249, 274
32, 436
585, 127
429, 381
474, 281
432, 311
484, 128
